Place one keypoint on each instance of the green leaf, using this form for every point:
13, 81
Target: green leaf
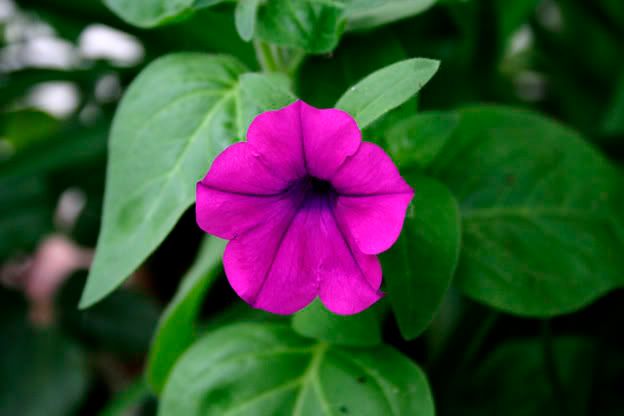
418, 140
42, 372
245, 18
150, 13
312, 25
262, 92
362, 329
541, 212
179, 113
511, 16
23, 128
366, 14
26, 207
518, 379
266, 369
418, 269
322, 79
176, 330
613, 122
386, 89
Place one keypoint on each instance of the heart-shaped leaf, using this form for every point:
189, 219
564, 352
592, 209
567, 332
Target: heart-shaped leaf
542, 213
179, 113
266, 369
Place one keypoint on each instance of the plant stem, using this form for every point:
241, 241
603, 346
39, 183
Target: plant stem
551, 367
265, 56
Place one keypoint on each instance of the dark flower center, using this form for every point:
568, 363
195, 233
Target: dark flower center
319, 186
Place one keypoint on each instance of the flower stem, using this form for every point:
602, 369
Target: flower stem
265, 56
551, 367
273, 58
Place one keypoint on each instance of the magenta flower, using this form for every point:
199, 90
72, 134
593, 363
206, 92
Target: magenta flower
306, 206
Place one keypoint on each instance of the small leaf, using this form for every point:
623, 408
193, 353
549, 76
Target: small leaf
386, 89
419, 268
312, 25
266, 369
367, 14
245, 18
179, 113
362, 329
541, 213
150, 13
176, 330
418, 140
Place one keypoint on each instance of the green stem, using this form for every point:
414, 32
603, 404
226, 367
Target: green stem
477, 341
265, 56
273, 58
551, 368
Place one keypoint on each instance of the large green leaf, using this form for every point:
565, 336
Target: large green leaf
419, 268
417, 140
176, 329
266, 369
528, 378
362, 329
542, 213
386, 89
366, 14
312, 25
176, 117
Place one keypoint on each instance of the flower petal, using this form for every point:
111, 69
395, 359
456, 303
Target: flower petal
375, 222
329, 137
373, 198
300, 139
350, 279
237, 193
370, 171
227, 215
272, 267
275, 136
237, 169
281, 266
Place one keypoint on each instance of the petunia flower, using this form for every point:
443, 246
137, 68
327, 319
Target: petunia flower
307, 206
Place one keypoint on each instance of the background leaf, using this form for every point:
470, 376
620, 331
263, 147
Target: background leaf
176, 329
419, 267
312, 25
417, 140
518, 379
366, 14
245, 18
541, 213
362, 329
150, 13
40, 363
386, 89
267, 369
